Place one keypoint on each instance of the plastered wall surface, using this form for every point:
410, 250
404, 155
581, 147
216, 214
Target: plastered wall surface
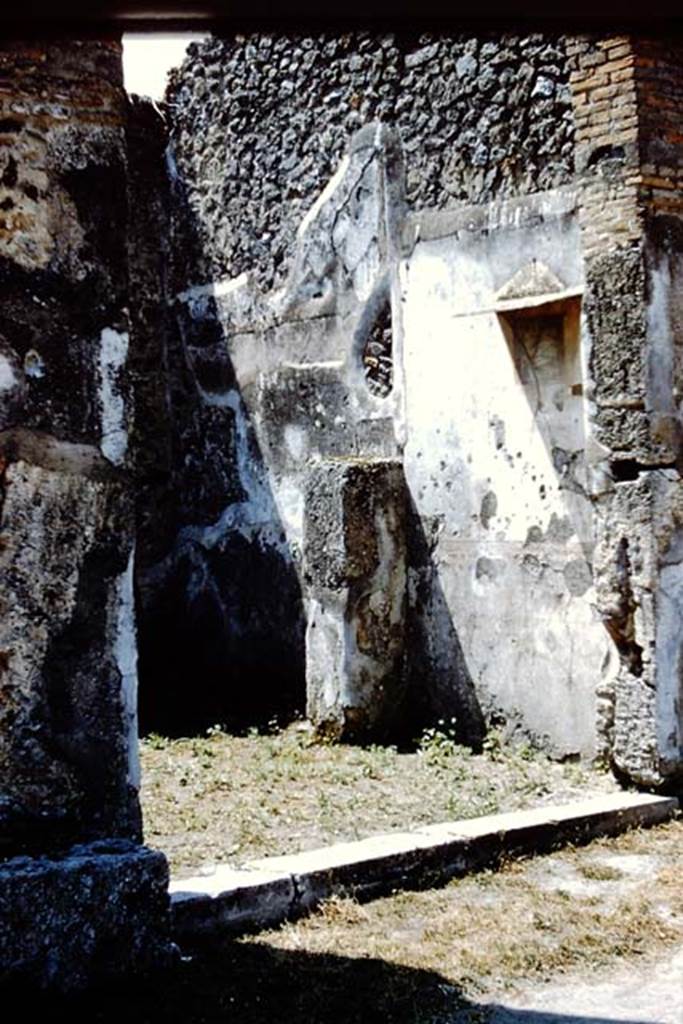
495, 459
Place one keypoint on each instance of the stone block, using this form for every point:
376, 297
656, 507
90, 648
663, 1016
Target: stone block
95, 912
355, 572
68, 731
271, 890
231, 901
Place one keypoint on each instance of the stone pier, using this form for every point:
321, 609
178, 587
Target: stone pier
80, 897
355, 572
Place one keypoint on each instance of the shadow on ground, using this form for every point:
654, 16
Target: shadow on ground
254, 983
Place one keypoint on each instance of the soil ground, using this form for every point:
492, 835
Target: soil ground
581, 936
229, 799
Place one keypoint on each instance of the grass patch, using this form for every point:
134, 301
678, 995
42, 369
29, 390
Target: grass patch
222, 798
599, 872
484, 932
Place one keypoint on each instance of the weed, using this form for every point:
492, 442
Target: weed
599, 872
156, 742
493, 745
229, 788
438, 745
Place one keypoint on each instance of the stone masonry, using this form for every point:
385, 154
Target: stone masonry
536, 207
346, 381
355, 571
79, 896
628, 156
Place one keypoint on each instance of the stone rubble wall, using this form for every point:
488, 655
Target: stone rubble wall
259, 123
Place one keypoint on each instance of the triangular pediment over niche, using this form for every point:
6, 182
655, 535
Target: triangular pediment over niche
533, 280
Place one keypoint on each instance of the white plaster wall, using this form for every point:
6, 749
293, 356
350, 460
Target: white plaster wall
512, 548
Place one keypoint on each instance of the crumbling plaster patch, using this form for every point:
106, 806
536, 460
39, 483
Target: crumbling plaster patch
126, 656
112, 361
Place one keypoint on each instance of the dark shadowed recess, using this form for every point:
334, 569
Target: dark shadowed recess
228, 654
220, 619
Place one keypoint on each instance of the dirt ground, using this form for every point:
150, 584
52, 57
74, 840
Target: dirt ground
582, 936
494, 934
228, 799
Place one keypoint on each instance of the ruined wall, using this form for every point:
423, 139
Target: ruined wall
495, 299
628, 164
68, 634
257, 127
259, 124
260, 385
68, 680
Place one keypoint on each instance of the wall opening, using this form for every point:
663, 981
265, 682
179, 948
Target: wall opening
544, 343
378, 360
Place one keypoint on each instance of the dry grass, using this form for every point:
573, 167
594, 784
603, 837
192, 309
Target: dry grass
484, 932
434, 957
412, 958
599, 872
223, 798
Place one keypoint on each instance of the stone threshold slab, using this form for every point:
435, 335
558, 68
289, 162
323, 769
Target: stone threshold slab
264, 893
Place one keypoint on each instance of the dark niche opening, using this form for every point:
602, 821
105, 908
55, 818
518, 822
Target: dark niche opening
378, 363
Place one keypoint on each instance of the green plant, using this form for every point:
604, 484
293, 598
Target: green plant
156, 742
493, 745
526, 752
438, 744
